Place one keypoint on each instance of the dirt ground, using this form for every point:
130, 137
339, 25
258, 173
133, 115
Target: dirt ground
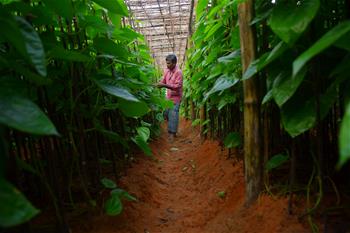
191, 187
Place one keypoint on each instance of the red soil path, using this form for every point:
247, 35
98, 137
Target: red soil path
177, 192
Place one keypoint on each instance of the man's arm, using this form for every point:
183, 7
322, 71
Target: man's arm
177, 82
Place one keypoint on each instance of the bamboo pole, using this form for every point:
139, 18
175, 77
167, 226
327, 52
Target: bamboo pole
252, 136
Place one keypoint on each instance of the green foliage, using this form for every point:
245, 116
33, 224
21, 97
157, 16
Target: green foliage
108, 183
22, 114
74, 66
324, 42
15, 208
232, 140
276, 161
114, 205
290, 19
344, 138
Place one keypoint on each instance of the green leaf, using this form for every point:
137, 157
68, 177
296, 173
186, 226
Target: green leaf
290, 19
11, 32
298, 115
22, 114
344, 138
115, 6
144, 133
133, 109
4, 2
142, 144
213, 30
109, 47
62, 7
96, 24
15, 209
232, 140
221, 194
67, 55
258, 64
285, 86
126, 34
326, 40
343, 42
230, 57
229, 98
276, 161
118, 91
200, 8
123, 194
108, 183
113, 205
115, 137
33, 45
222, 83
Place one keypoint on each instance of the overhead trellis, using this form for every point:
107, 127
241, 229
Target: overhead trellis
165, 25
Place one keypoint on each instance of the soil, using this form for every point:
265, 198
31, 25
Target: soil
191, 186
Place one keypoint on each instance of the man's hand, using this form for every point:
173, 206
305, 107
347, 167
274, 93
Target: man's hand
159, 85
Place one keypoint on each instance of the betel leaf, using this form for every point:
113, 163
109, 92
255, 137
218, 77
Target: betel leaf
222, 83
11, 32
232, 140
22, 114
144, 133
123, 194
200, 8
68, 55
142, 144
133, 109
33, 45
108, 183
344, 138
258, 64
212, 30
126, 34
276, 161
109, 47
115, 90
4, 2
285, 86
15, 209
95, 23
115, 137
116, 6
62, 7
298, 115
290, 19
230, 57
113, 205
324, 42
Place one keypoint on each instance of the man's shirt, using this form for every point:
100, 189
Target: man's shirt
173, 78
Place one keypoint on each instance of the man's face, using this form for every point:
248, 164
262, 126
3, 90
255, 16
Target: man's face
170, 65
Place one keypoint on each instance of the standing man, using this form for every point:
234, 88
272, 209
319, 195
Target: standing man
172, 81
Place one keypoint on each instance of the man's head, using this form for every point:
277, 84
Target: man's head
171, 61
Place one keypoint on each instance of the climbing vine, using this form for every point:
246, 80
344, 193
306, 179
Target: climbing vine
302, 68
76, 95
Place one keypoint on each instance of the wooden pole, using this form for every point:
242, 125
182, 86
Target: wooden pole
252, 135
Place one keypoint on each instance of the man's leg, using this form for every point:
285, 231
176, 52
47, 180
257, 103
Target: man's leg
173, 121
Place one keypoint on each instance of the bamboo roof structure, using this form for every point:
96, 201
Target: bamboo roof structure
166, 25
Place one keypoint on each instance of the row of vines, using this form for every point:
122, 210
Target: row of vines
76, 98
300, 78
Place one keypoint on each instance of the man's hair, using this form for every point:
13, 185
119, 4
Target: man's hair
172, 58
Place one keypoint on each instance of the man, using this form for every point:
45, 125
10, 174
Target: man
172, 80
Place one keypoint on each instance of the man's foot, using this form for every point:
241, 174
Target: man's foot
171, 137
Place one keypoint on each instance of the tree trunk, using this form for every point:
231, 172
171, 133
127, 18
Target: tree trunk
252, 136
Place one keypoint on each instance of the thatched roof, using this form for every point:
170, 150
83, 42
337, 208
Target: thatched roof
165, 24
